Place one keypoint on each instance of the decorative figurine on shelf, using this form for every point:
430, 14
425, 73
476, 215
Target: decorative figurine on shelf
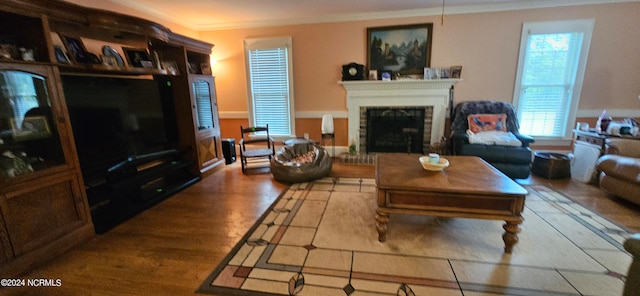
12, 165
27, 54
156, 60
4, 53
603, 122
8, 51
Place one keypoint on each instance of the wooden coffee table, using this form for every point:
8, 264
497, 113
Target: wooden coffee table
468, 188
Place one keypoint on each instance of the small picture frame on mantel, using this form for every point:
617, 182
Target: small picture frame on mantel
373, 74
455, 72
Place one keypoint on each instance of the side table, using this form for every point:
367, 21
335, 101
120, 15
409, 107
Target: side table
587, 148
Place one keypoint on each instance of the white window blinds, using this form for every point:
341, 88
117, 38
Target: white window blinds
204, 112
549, 79
269, 84
20, 92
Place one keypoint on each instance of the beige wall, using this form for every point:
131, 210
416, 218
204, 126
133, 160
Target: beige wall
486, 44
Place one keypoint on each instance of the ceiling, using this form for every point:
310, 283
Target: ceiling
228, 14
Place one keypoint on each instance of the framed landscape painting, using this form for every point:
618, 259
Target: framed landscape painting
32, 127
404, 49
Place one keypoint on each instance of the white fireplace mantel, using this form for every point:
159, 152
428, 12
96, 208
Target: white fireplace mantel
398, 93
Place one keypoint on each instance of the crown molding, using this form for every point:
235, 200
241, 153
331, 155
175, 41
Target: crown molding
450, 10
150, 10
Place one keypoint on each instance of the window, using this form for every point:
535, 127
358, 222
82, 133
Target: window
553, 56
270, 84
20, 91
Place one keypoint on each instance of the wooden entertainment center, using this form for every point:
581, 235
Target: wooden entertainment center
48, 200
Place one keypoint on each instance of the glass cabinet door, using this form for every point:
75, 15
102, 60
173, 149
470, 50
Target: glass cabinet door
29, 140
205, 120
202, 103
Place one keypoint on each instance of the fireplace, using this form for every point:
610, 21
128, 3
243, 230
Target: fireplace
431, 96
395, 129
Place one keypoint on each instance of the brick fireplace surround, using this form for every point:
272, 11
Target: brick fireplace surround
431, 94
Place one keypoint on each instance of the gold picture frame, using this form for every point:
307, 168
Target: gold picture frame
32, 127
404, 49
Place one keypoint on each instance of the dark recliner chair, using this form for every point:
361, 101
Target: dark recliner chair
514, 162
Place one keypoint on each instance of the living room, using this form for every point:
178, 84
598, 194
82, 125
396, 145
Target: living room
147, 253
485, 43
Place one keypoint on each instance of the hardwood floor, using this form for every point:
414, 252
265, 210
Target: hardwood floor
171, 248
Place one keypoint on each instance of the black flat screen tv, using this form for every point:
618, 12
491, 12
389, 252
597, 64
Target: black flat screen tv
117, 117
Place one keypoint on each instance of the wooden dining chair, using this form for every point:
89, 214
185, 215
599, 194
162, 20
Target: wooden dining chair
256, 146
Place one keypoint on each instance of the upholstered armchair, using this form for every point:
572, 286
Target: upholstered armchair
514, 161
620, 168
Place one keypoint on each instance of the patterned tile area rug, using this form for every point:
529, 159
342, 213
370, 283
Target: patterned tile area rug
319, 239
